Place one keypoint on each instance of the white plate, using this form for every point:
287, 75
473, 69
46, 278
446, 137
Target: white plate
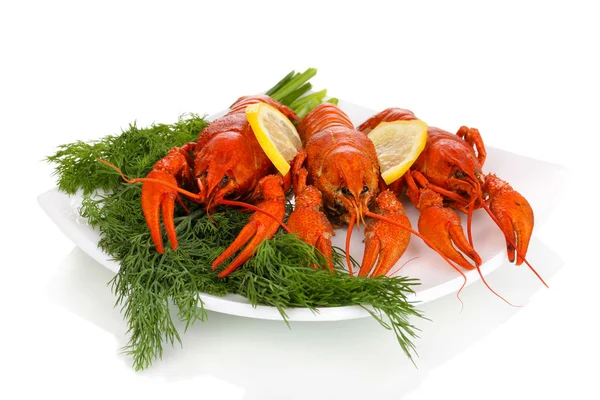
533, 178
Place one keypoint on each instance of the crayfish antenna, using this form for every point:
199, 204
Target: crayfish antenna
492, 290
394, 272
210, 217
193, 196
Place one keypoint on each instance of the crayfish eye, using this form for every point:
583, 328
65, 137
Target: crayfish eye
346, 191
224, 180
460, 174
365, 189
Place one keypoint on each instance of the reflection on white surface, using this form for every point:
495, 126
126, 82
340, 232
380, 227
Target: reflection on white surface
244, 356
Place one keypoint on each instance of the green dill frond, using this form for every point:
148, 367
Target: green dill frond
135, 151
279, 275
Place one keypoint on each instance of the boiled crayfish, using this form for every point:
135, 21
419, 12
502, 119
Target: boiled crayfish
339, 172
448, 175
228, 167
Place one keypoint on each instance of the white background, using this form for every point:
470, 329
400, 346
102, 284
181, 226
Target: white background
524, 73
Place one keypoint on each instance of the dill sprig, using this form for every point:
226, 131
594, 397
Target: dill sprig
279, 275
150, 285
135, 151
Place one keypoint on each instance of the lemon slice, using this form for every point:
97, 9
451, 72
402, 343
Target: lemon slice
398, 144
275, 133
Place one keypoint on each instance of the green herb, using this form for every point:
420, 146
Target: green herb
148, 284
135, 150
291, 83
278, 275
286, 79
293, 90
290, 98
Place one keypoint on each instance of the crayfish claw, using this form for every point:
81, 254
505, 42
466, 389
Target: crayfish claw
384, 242
442, 226
262, 225
382, 247
372, 248
161, 189
252, 234
308, 220
156, 197
513, 214
460, 241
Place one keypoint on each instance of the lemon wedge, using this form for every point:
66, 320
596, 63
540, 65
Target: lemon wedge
275, 133
398, 144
